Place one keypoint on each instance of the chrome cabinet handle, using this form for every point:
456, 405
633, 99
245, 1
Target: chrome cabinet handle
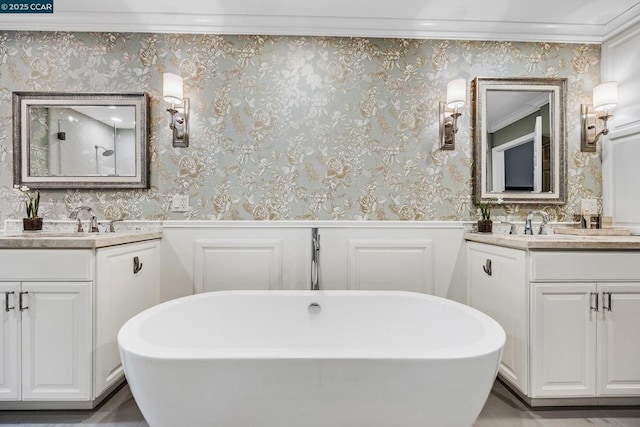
6, 301
21, 300
606, 301
137, 265
596, 308
487, 267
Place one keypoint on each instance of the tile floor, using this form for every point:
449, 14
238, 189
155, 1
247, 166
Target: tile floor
501, 410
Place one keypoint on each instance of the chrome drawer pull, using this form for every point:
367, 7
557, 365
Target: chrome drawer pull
487, 267
6, 301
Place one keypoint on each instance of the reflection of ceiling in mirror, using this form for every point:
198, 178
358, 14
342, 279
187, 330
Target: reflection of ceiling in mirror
122, 116
507, 106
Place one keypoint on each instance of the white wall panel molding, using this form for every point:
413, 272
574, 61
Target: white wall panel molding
433, 252
621, 150
427, 260
376, 264
620, 62
224, 264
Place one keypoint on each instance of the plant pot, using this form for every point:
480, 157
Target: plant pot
32, 224
485, 226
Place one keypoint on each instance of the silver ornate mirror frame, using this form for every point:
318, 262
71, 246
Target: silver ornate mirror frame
24, 103
555, 192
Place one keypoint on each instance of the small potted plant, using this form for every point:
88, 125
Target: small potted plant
32, 203
485, 225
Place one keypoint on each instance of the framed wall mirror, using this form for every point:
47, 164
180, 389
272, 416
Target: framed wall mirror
97, 140
519, 140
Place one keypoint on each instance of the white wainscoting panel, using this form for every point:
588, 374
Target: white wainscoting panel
625, 199
244, 257
250, 264
620, 150
413, 257
380, 264
395, 255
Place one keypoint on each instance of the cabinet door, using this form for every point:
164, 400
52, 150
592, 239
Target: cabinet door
563, 340
9, 342
124, 288
496, 285
619, 340
56, 341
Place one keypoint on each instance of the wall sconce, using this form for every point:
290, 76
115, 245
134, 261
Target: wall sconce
450, 112
172, 89
605, 98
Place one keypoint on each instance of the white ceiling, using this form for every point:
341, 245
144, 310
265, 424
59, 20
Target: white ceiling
591, 21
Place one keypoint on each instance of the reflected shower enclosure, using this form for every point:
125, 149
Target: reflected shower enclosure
82, 141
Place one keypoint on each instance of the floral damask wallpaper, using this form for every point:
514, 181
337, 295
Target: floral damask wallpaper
287, 128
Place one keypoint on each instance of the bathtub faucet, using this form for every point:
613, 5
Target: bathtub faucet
315, 259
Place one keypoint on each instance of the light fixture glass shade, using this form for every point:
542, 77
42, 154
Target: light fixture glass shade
456, 93
172, 88
605, 96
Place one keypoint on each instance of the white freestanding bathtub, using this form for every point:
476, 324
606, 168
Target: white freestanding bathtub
311, 359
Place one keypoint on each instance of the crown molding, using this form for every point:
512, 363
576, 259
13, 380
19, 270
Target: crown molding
622, 22
319, 26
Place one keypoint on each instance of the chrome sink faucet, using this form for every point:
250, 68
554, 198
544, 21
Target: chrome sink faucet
93, 225
527, 224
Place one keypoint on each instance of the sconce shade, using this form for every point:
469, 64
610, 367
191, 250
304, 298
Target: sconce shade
456, 93
172, 88
605, 96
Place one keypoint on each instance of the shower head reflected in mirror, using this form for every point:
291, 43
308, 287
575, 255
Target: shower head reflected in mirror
105, 151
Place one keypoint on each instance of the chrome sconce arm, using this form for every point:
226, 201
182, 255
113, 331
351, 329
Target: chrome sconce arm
179, 123
605, 98
172, 87
449, 112
448, 126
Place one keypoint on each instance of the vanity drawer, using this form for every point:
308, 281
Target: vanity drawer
584, 265
46, 264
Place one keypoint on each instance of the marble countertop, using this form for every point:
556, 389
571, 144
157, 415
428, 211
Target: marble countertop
72, 240
557, 241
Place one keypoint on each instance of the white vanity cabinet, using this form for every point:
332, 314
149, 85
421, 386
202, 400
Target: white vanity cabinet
127, 282
46, 334
571, 313
496, 286
572, 319
585, 324
61, 309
